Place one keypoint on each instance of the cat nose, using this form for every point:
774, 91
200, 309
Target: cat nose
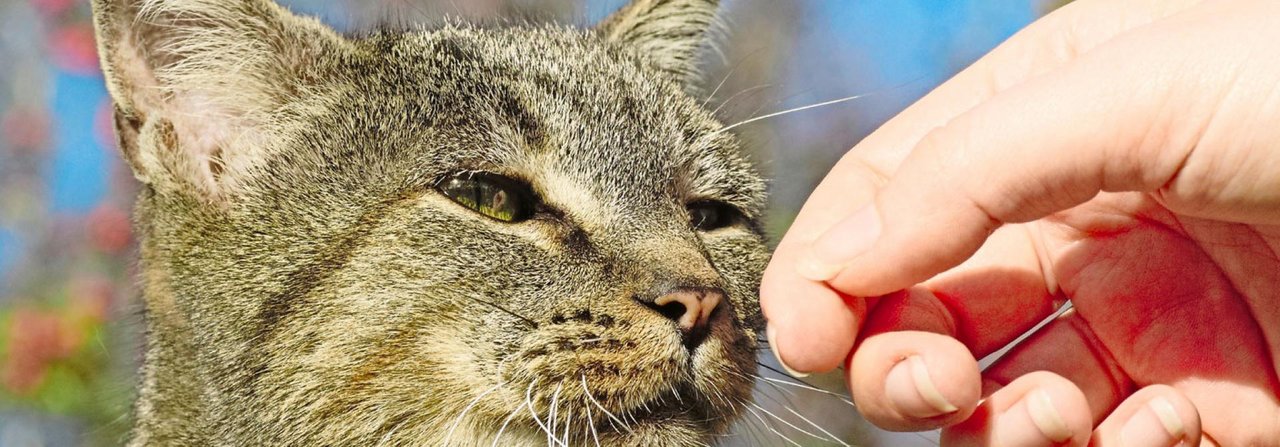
689, 307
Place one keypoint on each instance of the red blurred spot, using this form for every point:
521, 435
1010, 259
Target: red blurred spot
52, 7
25, 129
109, 229
35, 340
74, 49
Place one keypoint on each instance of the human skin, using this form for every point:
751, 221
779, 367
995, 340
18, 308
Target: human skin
1123, 155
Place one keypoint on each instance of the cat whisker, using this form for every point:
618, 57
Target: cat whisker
747, 429
568, 422
528, 400
554, 411
740, 93
393, 430
473, 403
786, 393
806, 386
506, 422
783, 400
591, 426
819, 427
728, 75
612, 417
771, 428
791, 110
798, 381
789, 424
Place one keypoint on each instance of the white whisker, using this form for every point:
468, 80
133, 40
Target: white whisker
717, 89
736, 95
784, 421
819, 427
505, 422
554, 411
387, 436
770, 427
601, 407
528, 400
473, 403
786, 393
591, 425
842, 397
568, 422
792, 110
727, 76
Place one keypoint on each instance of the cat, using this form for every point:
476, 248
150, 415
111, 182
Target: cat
456, 236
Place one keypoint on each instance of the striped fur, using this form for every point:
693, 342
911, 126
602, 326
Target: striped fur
306, 284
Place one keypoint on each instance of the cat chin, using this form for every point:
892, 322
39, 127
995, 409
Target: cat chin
662, 422
658, 431
645, 433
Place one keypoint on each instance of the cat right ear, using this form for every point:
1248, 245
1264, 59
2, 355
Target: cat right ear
670, 33
198, 84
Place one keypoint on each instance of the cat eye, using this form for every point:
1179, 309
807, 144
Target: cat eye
495, 196
708, 215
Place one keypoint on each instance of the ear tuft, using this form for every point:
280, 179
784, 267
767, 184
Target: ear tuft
197, 83
670, 33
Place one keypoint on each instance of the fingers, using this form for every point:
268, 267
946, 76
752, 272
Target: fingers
813, 326
913, 380
1068, 348
1155, 416
1017, 157
813, 332
898, 386
1043, 409
1037, 409
985, 303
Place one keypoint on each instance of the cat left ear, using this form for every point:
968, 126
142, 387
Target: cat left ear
670, 33
198, 85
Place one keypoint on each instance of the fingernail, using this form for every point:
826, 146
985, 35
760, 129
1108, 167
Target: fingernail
773, 346
911, 390
1156, 424
1033, 420
828, 255
1046, 417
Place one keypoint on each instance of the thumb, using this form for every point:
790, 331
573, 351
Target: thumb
1103, 123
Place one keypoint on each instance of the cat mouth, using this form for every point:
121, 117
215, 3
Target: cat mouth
663, 413
625, 415
630, 383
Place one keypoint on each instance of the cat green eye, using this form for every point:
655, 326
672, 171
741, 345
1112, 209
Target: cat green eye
495, 196
708, 215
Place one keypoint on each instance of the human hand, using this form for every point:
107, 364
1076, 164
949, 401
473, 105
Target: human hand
1122, 155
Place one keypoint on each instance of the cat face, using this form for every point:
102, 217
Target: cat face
457, 236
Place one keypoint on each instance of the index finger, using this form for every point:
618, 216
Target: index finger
812, 327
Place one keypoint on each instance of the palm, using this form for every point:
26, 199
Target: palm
1164, 299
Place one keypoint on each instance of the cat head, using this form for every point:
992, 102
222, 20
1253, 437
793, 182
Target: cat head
434, 236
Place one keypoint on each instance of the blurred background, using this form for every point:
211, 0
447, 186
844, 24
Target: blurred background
69, 313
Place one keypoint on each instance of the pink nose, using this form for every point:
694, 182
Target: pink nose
690, 308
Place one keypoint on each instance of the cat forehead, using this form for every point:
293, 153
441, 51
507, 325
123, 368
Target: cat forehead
562, 98
547, 81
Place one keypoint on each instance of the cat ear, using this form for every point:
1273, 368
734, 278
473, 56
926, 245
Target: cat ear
670, 32
197, 84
